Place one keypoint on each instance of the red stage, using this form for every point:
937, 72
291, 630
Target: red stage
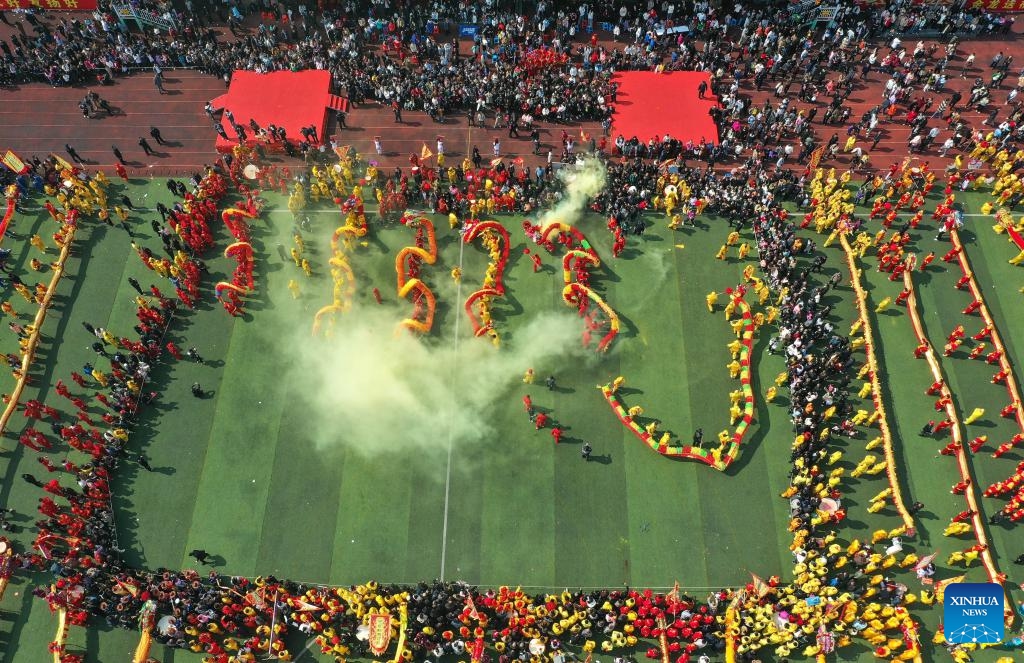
651, 104
288, 99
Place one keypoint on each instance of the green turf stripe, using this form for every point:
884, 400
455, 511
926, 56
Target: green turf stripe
925, 475
306, 483
426, 513
371, 533
666, 530
1000, 283
591, 510
236, 475
517, 544
769, 444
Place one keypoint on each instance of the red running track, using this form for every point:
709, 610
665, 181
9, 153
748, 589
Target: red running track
37, 119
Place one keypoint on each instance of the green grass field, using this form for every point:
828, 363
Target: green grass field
275, 472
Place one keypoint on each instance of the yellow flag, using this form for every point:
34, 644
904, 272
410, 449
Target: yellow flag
64, 165
760, 586
11, 160
425, 153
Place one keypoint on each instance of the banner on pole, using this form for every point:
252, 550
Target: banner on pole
50, 5
12, 161
816, 157
997, 5
380, 633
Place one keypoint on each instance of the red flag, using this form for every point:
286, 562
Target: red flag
816, 156
126, 587
473, 614
673, 596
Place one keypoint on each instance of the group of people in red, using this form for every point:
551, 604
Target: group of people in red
956, 339
619, 244
193, 224
542, 58
540, 419
891, 256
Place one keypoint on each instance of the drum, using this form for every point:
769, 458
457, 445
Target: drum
166, 625
828, 505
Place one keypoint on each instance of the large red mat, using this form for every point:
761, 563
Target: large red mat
652, 104
289, 99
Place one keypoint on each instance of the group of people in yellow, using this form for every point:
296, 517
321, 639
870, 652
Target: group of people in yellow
78, 196
832, 215
342, 184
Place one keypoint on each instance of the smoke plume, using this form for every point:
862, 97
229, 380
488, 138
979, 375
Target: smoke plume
377, 391
581, 184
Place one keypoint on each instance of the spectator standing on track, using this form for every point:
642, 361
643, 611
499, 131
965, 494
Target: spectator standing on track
144, 144
75, 156
155, 134
968, 63
118, 155
158, 81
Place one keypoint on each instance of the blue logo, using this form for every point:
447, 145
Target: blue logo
973, 612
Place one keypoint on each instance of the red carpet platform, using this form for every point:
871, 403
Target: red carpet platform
292, 100
651, 104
